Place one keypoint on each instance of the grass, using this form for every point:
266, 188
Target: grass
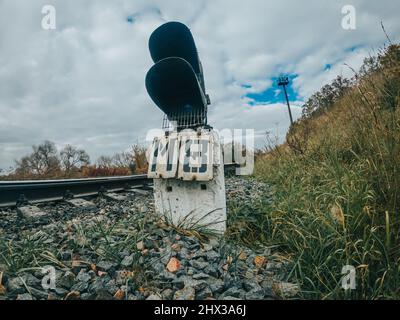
30, 252
192, 225
336, 189
98, 240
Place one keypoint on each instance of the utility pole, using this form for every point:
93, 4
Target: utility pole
283, 82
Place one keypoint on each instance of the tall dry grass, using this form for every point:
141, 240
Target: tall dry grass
336, 189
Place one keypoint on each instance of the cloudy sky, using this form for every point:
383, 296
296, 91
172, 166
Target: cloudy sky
83, 83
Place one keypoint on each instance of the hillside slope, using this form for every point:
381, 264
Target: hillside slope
336, 185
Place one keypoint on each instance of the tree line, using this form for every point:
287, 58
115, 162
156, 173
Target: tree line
47, 162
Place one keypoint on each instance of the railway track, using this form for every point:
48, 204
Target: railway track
14, 193
17, 193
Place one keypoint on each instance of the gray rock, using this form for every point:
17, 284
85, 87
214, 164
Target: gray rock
167, 256
198, 264
199, 254
212, 270
230, 281
92, 274
178, 283
65, 255
124, 288
233, 292
16, 285
111, 287
212, 256
207, 247
24, 296
127, 261
154, 297
200, 275
39, 294
167, 294
105, 265
159, 233
159, 267
229, 298
61, 292
140, 245
266, 284
180, 273
120, 277
273, 266
187, 293
184, 253
82, 204
80, 286
198, 285
267, 252
268, 292
287, 289
66, 281
31, 280
255, 294
83, 276
190, 271
217, 286
103, 295
167, 276
250, 273
204, 294
97, 285
191, 240
214, 242
139, 296
123, 253
250, 260
194, 247
250, 285
87, 296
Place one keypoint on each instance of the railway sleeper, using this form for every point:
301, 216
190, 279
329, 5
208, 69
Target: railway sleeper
81, 203
31, 213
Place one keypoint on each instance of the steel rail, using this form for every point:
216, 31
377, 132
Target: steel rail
14, 192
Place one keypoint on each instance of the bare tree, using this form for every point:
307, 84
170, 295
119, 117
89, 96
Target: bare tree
42, 161
46, 156
105, 162
134, 160
123, 159
139, 155
23, 166
73, 158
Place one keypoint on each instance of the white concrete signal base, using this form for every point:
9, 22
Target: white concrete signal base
189, 184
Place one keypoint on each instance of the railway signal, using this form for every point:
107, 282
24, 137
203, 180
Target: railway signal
176, 81
186, 163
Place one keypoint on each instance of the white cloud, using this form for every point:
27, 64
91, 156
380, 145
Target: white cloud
84, 82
